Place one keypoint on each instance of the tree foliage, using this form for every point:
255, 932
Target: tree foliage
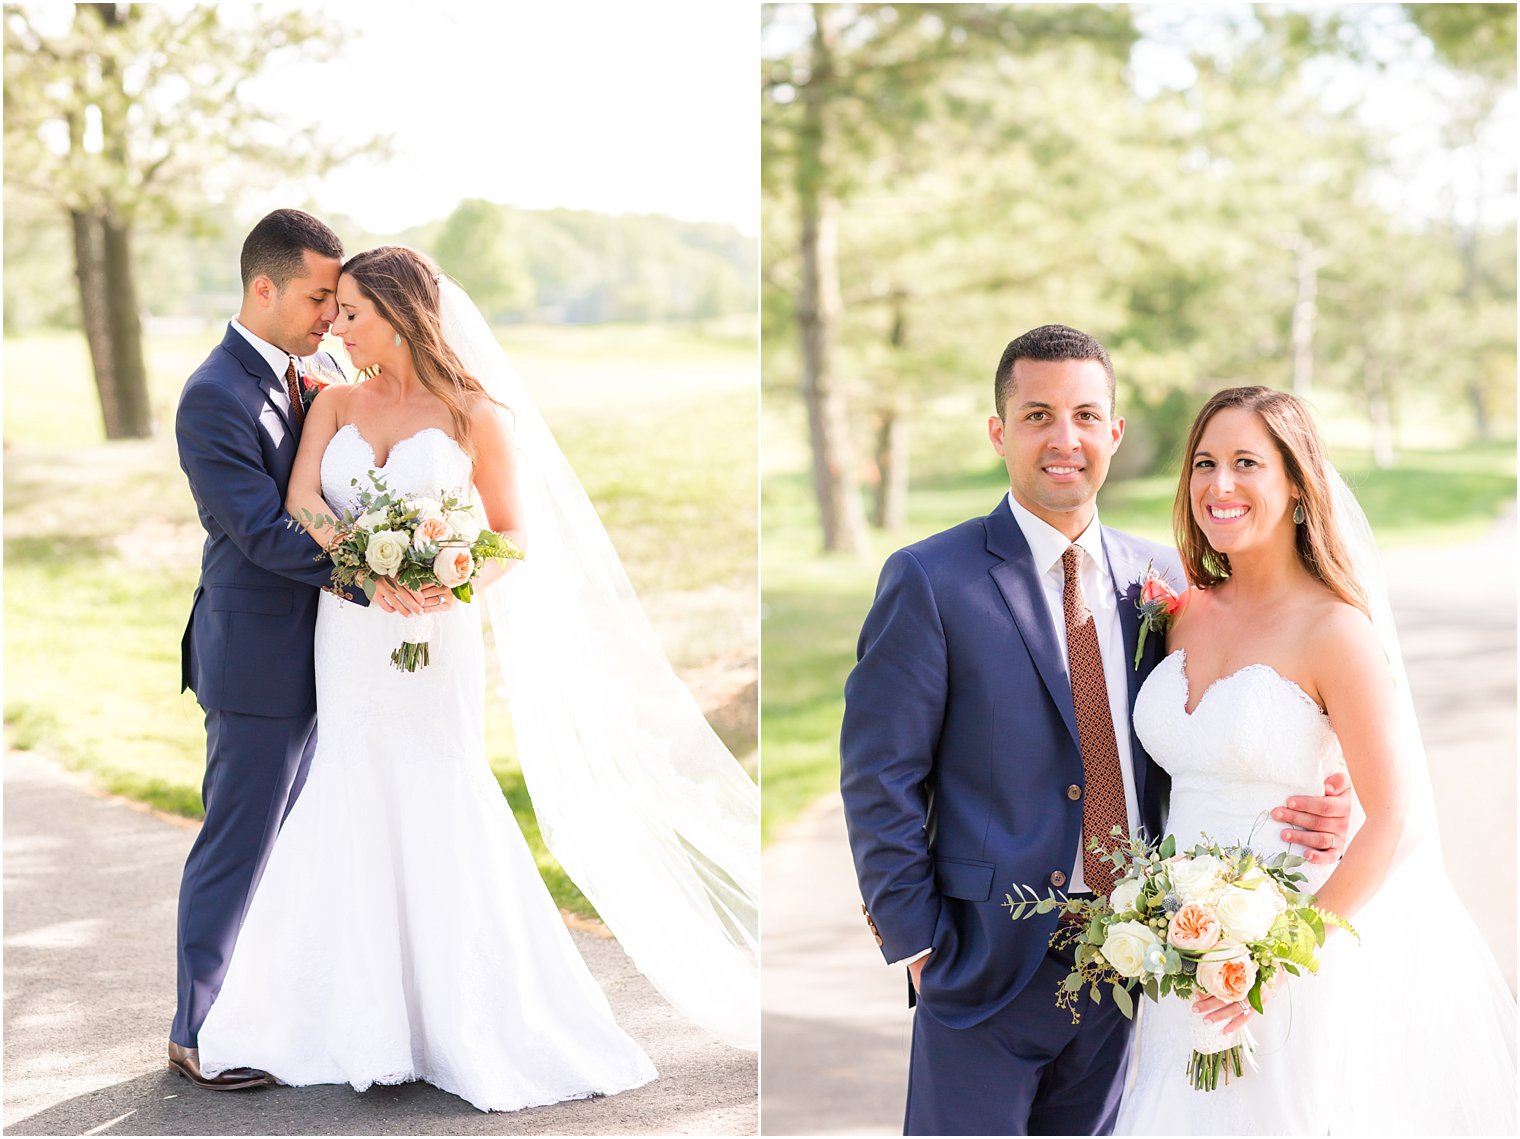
120, 117
1220, 217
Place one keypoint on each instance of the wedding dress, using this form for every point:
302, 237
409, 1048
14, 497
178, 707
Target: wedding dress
1409, 1032
1253, 739
401, 930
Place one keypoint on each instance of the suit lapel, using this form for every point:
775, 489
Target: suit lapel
257, 370
1019, 583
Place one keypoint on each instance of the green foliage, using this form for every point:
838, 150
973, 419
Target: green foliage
478, 246
1193, 224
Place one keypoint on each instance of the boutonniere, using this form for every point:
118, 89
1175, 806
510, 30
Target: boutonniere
1158, 604
319, 374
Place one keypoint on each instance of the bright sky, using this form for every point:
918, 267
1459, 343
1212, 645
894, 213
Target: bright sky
587, 104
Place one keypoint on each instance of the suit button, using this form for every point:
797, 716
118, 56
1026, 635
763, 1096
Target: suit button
1074, 792
1057, 879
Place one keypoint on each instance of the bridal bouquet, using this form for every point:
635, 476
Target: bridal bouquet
1214, 921
418, 541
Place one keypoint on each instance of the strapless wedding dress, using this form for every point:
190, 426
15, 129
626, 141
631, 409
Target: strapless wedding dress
401, 930
1253, 739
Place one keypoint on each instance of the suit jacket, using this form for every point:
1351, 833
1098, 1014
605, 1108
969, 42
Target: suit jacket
248, 644
958, 748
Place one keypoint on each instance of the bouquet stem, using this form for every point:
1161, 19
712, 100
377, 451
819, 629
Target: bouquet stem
412, 654
1217, 1055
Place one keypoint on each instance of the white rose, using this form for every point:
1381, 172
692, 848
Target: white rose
1259, 880
1126, 946
1124, 895
1245, 915
425, 507
1196, 879
464, 523
385, 550
370, 519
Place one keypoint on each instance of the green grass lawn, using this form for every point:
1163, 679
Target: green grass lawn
813, 605
102, 544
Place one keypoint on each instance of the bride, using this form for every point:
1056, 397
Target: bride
400, 930
1284, 666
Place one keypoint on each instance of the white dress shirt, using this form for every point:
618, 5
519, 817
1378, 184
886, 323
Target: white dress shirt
1047, 544
278, 360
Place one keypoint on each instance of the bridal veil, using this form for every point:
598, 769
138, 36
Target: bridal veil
636, 796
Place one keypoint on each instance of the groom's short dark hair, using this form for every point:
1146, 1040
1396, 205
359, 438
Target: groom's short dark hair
275, 247
1049, 342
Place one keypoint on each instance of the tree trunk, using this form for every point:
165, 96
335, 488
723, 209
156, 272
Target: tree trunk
112, 324
1305, 310
818, 311
889, 507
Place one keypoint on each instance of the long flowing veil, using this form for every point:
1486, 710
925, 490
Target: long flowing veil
1432, 1021
642, 804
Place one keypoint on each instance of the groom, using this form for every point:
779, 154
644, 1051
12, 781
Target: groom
247, 649
987, 738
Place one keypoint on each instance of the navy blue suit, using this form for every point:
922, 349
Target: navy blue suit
958, 747
246, 652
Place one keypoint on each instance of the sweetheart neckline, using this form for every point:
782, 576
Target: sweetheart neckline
1187, 685
389, 455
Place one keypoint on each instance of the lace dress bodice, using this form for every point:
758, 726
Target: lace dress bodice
1253, 739
426, 462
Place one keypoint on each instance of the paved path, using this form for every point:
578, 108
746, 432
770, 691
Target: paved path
836, 1026
90, 887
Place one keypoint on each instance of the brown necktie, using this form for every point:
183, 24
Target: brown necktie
1103, 797
293, 390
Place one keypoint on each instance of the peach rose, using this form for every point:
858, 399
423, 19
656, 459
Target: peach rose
1156, 589
1194, 926
1229, 977
430, 532
453, 566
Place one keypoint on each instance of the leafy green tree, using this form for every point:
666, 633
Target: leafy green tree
479, 247
851, 87
127, 116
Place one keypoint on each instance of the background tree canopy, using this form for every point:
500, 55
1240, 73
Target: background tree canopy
1318, 199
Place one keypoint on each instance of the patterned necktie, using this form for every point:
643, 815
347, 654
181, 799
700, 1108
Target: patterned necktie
1103, 797
293, 390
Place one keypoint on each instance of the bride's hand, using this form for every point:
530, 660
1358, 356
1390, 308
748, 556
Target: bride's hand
393, 597
1229, 1016
1232, 1016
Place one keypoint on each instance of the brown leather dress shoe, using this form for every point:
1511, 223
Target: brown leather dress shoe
187, 1062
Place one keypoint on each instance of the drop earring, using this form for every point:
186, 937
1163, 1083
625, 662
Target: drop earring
1298, 514
398, 340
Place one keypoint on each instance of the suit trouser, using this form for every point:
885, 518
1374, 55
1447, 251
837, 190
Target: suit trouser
255, 767
1025, 1070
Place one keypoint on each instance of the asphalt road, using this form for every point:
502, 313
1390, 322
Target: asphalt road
90, 889
836, 1028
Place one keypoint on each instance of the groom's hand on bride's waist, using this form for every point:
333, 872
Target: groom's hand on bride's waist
1319, 823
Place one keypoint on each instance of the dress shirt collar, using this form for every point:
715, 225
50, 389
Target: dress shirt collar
1047, 544
277, 358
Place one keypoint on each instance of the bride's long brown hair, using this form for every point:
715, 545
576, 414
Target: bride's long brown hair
403, 284
1319, 544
